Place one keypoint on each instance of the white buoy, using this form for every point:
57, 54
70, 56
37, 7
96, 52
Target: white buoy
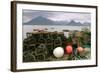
58, 52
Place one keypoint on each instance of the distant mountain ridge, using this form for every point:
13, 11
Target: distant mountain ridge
40, 21
45, 21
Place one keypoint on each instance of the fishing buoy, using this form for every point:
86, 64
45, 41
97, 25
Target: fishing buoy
58, 52
80, 49
69, 49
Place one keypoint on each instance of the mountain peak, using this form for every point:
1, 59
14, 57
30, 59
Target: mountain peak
72, 22
41, 17
40, 20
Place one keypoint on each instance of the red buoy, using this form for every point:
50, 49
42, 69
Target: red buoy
69, 49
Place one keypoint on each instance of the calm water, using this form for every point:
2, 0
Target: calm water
29, 28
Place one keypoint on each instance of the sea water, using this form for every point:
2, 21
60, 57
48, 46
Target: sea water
29, 28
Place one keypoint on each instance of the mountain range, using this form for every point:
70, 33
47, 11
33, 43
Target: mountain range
45, 21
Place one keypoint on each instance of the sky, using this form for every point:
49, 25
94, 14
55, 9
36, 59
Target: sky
56, 15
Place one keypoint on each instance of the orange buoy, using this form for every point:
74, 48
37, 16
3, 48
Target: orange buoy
80, 49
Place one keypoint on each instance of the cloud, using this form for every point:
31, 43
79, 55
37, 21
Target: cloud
56, 16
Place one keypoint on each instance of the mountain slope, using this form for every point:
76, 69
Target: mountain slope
40, 21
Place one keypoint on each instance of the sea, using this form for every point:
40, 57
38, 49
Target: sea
59, 28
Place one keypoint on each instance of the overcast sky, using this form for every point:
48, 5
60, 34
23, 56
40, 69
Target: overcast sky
56, 15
